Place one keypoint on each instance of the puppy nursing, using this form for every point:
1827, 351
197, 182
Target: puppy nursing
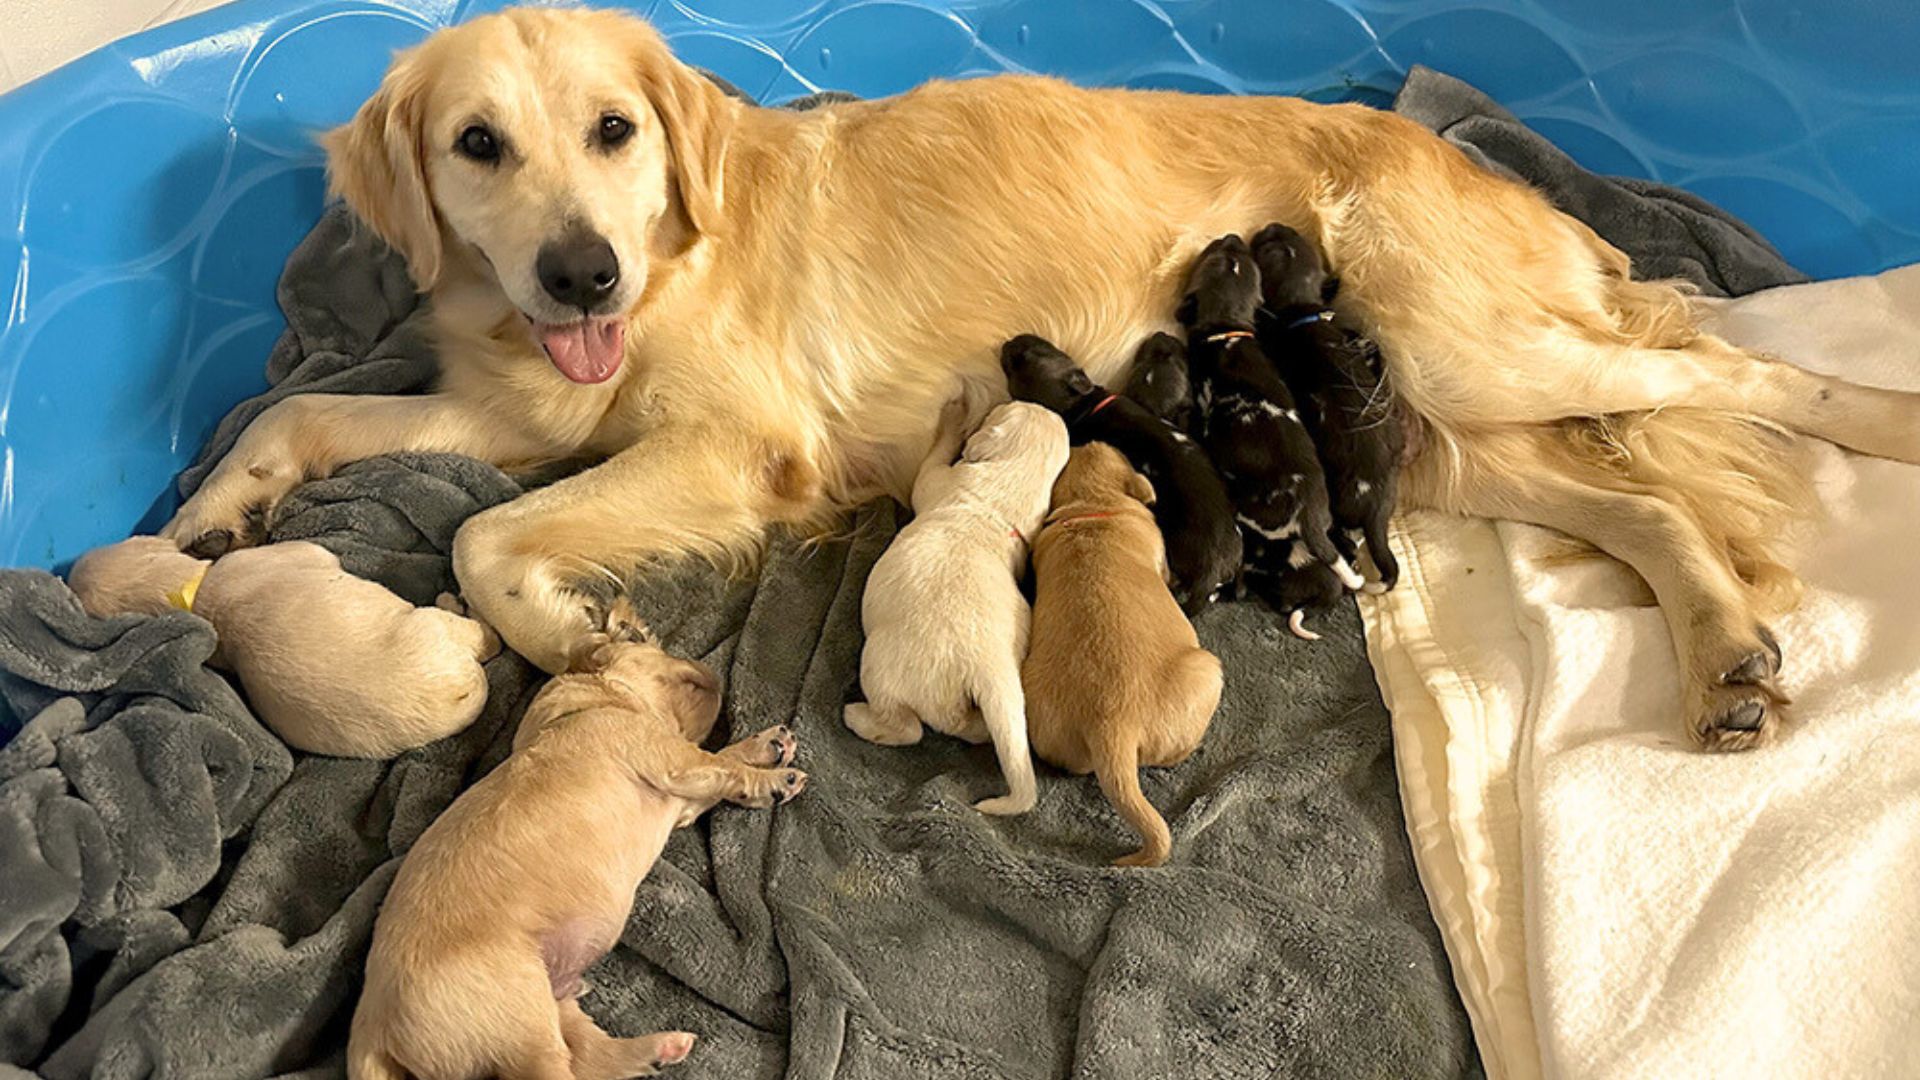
1252, 429
946, 623
1115, 677
529, 876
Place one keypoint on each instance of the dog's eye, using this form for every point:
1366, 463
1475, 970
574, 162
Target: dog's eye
614, 130
479, 144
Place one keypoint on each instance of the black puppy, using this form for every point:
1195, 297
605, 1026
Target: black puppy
1159, 381
1338, 378
1251, 428
1190, 505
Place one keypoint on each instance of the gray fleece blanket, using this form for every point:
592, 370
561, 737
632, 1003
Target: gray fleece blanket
180, 896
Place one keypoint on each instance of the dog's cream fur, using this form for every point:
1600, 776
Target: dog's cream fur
1115, 676
806, 287
334, 664
946, 624
529, 877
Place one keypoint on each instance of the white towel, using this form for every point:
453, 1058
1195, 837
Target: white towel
1616, 903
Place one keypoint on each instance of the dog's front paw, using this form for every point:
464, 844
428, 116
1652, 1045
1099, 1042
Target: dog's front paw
789, 783
773, 747
620, 621
231, 510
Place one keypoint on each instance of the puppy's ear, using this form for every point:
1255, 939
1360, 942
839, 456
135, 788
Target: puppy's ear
590, 656
1188, 310
699, 119
1140, 488
376, 163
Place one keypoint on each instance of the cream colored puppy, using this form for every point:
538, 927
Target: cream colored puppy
333, 663
528, 878
946, 624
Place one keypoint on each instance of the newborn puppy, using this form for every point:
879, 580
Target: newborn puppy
528, 878
946, 623
1338, 377
1115, 676
1252, 429
1159, 381
1195, 515
333, 664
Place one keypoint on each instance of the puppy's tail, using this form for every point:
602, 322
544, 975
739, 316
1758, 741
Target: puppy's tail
1003, 706
1117, 766
366, 1060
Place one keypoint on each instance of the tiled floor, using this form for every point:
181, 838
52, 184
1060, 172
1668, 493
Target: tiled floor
37, 36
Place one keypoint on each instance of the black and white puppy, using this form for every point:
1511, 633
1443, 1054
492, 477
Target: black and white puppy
1338, 378
1190, 505
1252, 429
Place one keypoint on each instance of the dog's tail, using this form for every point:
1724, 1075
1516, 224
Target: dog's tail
366, 1058
1116, 763
1003, 706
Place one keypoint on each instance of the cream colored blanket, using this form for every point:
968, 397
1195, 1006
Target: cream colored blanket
1615, 903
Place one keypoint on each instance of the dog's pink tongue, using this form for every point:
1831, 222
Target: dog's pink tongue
587, 351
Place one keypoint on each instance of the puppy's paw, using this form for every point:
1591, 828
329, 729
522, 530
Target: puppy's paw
1006, 805
666, 1048
790, 783
772, 748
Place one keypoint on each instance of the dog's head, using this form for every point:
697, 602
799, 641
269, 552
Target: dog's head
1038, 372
1223, 289
553, 152
1291, 271
136, 576
1099, 477
1019, 432
632, 675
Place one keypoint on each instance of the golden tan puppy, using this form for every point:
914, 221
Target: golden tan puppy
528, 878
755, 315
1115, 676
333, 663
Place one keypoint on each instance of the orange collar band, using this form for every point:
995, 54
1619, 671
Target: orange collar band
1227, 335
1104, 402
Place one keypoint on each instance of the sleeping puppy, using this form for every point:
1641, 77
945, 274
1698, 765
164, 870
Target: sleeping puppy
1159, 381
1195, 515
528, 878
1252, 430
946, 623
1115, 677
1338, 378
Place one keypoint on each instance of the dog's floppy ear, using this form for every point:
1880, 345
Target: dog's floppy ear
375, 163
699, 119
1140, 488
1188, 310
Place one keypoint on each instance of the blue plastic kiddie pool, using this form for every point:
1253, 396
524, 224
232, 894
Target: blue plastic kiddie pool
153, 189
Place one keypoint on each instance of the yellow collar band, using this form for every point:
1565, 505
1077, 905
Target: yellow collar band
182, 597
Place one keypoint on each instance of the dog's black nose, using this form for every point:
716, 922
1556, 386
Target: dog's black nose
579, 270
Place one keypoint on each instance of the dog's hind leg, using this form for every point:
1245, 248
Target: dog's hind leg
1003, 706
599, 1056
1582, 377
1728, 658
885, 723
1382, 555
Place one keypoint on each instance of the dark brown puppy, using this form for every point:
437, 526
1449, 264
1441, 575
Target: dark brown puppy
1195, 516
1337, 377
1252, 429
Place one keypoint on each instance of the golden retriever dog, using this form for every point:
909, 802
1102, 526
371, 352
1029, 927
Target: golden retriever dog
528, 878
945, 622
1115, 676
755, 316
